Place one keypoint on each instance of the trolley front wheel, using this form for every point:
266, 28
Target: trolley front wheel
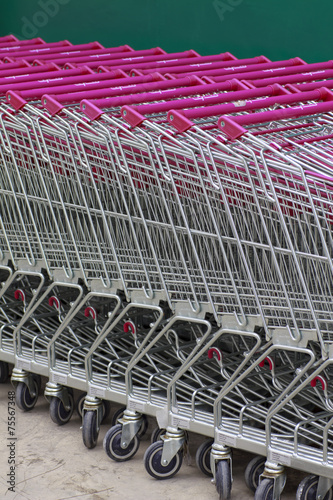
223, 479
90, 430
153, 462
265, 490
307, 489
253, 472
58, 413
4, 372
202, 457
112, 445
24, 400
144, 423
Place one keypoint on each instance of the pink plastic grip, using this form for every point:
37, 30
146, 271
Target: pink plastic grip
195, 67
205, 100
19, 295
26, 74
129, 326
45, 49
9, 39
20, 51
90, 311
259, 73
19, 64
233, 127
91, 110
294, 78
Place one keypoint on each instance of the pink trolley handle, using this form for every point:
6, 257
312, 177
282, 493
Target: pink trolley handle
19, 51
85, 54
233, 126
126, 61
311, 86
9, 39
93, 110
290, 78
18, 98
215, 69
195, 66
24, 72
156, 81
41, 80
204, 106
242, 101
52, 52
279, 71
13, 66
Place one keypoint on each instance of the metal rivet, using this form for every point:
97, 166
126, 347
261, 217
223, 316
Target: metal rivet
83, 106
9, 97
171, 117
222, 124
124, 112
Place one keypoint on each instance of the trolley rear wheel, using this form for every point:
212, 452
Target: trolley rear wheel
307, 489
202, 457
253, 472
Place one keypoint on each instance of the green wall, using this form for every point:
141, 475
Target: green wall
278, 29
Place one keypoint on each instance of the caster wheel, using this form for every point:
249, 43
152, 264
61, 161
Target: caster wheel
223, 479
153, 465
156, 434
112, 445
253, 472
58, 413
79, 404
4, 372
202, 457
265, 490
307, 489
89, 429
24, 400
144, 425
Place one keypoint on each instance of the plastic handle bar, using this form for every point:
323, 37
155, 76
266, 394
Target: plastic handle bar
13, 66
20, 51
181, 120
281, 71
292, 78
9, 39
24, 73
233, 126
314, 85
209, 100
194, 67
45, 49
86, 54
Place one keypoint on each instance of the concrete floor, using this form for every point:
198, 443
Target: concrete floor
53, 464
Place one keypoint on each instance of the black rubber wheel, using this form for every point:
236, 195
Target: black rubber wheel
106, 409
89, 429
307, 489
156, 434
112, 445
265, 490
144, 424
253, 472
4, 372
223, 479
202, 457
58, 413
24, 400
152, 460
79, 404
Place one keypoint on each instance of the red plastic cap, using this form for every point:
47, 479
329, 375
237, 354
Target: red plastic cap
133, 117
97, 45
50, 103
179, 121
159, 50
15, 99
193, 53
230, 127
90, 110
297, 61
263, 59
227, 56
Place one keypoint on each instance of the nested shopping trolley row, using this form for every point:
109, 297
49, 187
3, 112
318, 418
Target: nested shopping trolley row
166, 245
